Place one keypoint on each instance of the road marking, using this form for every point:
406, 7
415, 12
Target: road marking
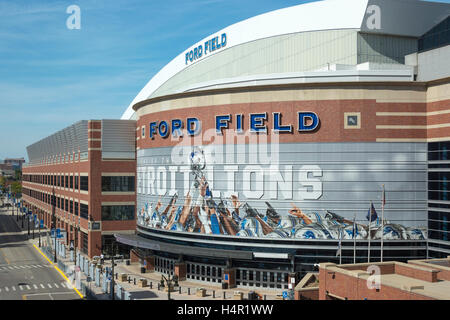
4, 256
6, 288
56, 285
48, 284
28, 287
35, 286
20, 287
63, 285
14, 289
62, 273
42, 286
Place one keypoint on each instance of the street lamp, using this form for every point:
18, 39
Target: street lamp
54, 219
113, 256
28, 221
39, 221
169, 284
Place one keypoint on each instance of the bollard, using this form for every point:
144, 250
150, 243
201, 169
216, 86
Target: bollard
224, 297
117, 275
129, 279
214, 293
179, 290
151, 285
134, 281
189, 291
158, 286
264, 297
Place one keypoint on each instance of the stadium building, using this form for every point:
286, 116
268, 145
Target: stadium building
293, 136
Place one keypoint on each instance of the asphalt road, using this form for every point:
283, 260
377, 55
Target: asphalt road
24, 273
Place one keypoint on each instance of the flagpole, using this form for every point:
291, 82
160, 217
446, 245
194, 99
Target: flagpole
340, 246
368, 251
382, 223
354, 239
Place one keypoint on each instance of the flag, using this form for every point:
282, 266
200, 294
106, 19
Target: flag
372, 213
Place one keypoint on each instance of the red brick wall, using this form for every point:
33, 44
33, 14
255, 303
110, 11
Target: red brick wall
412, 272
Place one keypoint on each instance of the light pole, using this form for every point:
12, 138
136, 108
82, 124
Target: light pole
169, 284
28, 222
113, 255
54, 219
39, 231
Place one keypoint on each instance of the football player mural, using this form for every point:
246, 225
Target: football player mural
202, 213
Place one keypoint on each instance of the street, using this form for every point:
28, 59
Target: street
24, 273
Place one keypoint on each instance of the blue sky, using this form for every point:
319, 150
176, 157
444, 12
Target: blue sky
51, 77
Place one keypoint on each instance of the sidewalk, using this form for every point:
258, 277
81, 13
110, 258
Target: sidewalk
187, 290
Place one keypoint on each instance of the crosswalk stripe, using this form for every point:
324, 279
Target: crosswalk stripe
6, 288
63, 285
49, 285
14, 289
23, 267
35, 286
20, 287
42, 286
56, 285
28, 287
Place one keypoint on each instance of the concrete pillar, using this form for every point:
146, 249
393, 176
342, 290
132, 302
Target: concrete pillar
180, 270
149, 264
133, 256
229, 277
292, 280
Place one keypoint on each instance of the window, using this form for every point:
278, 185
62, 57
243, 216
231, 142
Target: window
76, 208
84, 183
66, 205
76, 182
84, 242
84, 211
352, 120
118, 184
71, 182
71, 206
115, 213
66, 182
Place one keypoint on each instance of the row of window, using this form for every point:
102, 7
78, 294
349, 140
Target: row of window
60, 203
438, 186
117, 213
63, 181
109, 213
118, 184
109, 184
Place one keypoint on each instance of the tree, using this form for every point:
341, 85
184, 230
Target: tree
17, 174
2, 183
16, 187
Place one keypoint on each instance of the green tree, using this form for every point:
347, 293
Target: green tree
16, 187
2, 183
17, 174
